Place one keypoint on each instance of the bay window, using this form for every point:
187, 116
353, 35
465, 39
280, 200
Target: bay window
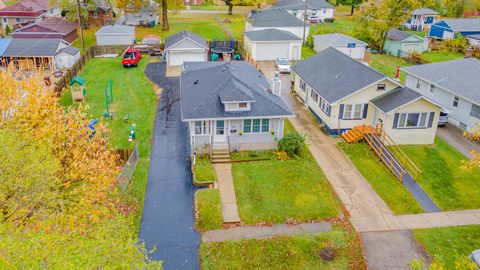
256, 125
412, 120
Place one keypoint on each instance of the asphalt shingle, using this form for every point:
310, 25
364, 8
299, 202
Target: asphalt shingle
339, 40
32, 47
463, 24
271, 34
115, 30
174, 39
299, 4
274, 17
395, 98
397, 35
424, 11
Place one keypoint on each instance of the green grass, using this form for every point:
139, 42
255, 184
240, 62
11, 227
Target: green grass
210, 210
236, 26
449, 244
133, 94
342, 24
204, 171
448, 185
307, 52
10, 2
222, 7
440, 56
389, 188
418, 33
282, 252
252, 155
288, 127
387, 64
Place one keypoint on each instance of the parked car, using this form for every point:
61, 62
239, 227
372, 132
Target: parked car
283, 65
313, 19
443, 119
131, 57
475, 257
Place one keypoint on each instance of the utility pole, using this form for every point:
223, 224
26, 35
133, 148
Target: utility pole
304, 20
80, 25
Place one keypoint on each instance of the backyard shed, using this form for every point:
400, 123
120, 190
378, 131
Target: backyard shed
402, 44
348, 45
115, 35
268, 44
67, 57
449, 28
185, 46
151, 39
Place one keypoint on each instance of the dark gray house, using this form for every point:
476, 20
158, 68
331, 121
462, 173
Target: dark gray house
231, 105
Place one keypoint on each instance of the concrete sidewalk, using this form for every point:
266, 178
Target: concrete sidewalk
253, 232
227, 192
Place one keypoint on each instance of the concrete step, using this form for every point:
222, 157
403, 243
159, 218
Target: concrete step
221, 160
221, 156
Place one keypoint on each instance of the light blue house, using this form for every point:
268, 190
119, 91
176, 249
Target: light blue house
449, 28
402, 44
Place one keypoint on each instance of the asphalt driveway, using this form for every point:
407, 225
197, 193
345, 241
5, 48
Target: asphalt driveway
167, 218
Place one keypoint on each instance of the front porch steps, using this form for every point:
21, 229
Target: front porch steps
221, 155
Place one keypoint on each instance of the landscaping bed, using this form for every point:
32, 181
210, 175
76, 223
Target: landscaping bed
203, 170
252, 155
209, 210
387, 186
449, 244
282, 252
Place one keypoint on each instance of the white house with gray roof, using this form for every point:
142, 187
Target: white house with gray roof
185, 46
452, 84
230, 105
320, 8
343, 93
346, 44
268, 44
277, 19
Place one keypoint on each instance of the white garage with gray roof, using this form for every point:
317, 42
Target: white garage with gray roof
346, 44
185, 46
268, 44
116, 35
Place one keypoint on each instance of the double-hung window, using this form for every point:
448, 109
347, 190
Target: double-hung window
256, 125
314, 95
353, 111
202, 127
303, 85
455, 102
324, 106
412, 120
242, 105
431, 90
419, 84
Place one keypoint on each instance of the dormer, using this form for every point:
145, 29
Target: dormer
237, 106
236, 96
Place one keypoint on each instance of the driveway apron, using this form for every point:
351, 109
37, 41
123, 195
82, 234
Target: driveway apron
167, 218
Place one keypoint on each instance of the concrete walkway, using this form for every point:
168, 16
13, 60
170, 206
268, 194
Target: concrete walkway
253, 232
227, 192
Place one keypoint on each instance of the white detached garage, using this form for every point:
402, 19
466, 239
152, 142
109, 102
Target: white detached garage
116, 35
346, 44
185, 47
269, 44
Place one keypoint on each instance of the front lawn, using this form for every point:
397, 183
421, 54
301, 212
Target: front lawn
449, 244
204, 171
387, 64
387, 186
449, 186
440, 56
209, 216
133, 94
282, 252
252, 155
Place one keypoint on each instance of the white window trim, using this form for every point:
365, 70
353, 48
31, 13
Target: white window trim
352, 113
431, 90
324, 106
453, 100
427, 119
205, 126
251, 126
384, 86
418, 85
314, 95
302, 82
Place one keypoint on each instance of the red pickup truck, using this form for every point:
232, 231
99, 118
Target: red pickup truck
131, 57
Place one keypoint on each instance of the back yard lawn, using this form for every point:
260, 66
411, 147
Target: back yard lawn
387, 64
448, 185
440, 56
389, 188
342, 24
283, 252
449, 244
133, 94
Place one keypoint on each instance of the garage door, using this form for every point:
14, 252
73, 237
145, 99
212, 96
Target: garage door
357, 53
177, 58
409, 47
270, 51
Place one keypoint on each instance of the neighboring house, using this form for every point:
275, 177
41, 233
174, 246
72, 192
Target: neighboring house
195, 2
26, 11
474, 40
343, 93
4, 42
49, 28
48, 54
277, 19
319, 8
422, 19
348, 45
100, 13
268, 44
231, 105
449, 28
185, 46
145, 16
402, 44
452, 84
116, 35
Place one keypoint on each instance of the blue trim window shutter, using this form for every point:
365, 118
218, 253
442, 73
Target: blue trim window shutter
395, 120
430, 119
340, 115
365, 111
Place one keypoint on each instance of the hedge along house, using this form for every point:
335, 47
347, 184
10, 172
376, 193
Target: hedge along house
449, 28
185, 46
346, 44
320, 8
343, 93
422, 19
402, 44
231, 105
277, 19
268, 44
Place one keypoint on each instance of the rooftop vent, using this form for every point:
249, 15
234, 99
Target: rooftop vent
195, 82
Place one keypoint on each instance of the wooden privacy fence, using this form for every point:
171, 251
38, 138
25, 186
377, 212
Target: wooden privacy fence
73, 71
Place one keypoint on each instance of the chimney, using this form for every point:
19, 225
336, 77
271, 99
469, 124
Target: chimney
277, 84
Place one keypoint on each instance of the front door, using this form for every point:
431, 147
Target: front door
220, 135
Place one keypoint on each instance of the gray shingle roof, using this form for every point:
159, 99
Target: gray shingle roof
174, 39
335, 75
397, 35
274, 17
424, 11
299, 4
69, 50
116, 30
474, 36
395, 98
271, 34
32, 47
338, 40
463, 24
226, 81
458, 76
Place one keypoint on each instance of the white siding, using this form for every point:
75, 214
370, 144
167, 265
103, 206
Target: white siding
356, 53
126, 39
261, 50
298, 31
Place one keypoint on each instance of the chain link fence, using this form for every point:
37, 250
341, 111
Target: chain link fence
128, 169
